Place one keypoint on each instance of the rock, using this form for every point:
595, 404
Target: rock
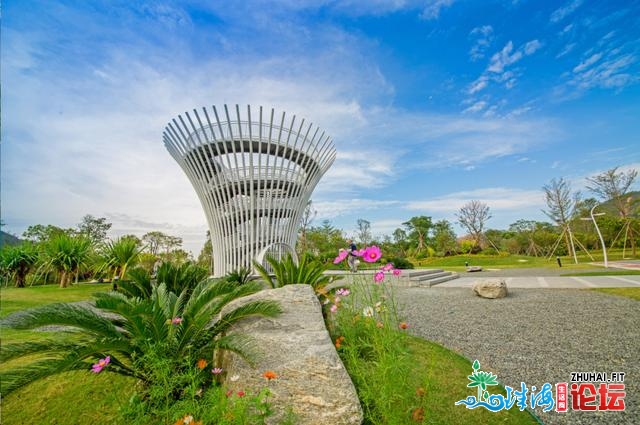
474, 268
311, 379
490, 288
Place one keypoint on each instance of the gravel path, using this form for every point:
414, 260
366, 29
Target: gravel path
536, 336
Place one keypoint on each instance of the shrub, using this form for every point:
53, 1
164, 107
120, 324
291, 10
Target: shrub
399, 262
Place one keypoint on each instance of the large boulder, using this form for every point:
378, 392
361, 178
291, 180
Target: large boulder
311, 379
490, 288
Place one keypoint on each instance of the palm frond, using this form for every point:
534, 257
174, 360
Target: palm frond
65, 314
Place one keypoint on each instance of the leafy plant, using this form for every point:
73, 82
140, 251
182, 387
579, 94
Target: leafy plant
17, 261
239, 276
172, 326
184, 276
288, 272
120, 254
67, 254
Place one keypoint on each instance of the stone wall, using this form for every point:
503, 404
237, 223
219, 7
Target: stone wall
311, 379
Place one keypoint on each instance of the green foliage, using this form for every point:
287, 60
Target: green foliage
180, 277
239, 276
401, 379
120, 254
67, 254
172, 326
399, 262
418, 231
94, 228
288, 272
16, 262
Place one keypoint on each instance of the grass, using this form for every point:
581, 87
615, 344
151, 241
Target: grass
71, 397
617, 272
457, 262
402, 379
15, 299
633, 293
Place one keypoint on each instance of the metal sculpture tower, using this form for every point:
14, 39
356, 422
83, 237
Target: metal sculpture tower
254, 175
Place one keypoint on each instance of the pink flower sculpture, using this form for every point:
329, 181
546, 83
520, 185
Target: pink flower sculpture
372, 254
101, 364
378, 277
342, 254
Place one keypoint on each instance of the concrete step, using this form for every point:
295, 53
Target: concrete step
432, 278
411, 274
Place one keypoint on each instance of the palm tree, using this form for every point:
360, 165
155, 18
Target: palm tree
173, 326
17, 261
67, 254
120, 254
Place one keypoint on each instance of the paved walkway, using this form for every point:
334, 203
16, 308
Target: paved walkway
554, 282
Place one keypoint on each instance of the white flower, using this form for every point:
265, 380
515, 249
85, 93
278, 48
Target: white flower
367, 312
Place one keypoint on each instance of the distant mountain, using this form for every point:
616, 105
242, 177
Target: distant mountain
8, 239
610, 208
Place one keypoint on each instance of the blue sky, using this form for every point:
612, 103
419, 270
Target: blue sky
430, 103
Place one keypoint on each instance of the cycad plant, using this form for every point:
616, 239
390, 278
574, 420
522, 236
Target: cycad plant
288, 272
168, 327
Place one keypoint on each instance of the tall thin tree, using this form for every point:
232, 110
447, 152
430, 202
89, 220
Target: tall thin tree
614, 186
473, 216
561, 204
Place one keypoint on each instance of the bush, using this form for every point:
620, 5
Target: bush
399, 262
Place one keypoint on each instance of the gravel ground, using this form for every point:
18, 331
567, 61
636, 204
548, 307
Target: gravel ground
536, 336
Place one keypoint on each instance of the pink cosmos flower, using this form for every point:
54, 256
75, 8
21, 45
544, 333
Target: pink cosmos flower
372, 254
396, 272
342, 254
176, 320
101, 364
334, 308
360, 252
216, 371
378, 277
387, 267
343, 292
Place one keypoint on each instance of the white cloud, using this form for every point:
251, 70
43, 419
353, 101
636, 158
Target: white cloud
496, 198
531, 46
567, 49
483, 37
476, 107
561, 13
587, 62
433, 7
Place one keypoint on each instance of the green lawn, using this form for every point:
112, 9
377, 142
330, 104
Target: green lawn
633, 293
457, 262
68, 398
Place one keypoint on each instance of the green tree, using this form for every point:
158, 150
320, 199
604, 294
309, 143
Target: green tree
40, 233
67, 254
364, 232
166, 326
17, 261
205, 258
120, 254
444, 238
94, 228
418, 230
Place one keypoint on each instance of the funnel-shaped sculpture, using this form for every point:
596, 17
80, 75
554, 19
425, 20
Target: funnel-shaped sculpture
254, 174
